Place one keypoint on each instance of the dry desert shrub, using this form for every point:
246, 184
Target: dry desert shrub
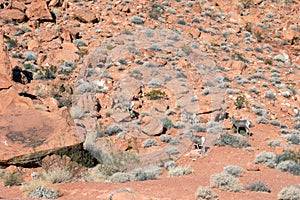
270, 95
274, 143
287, 162
149, 143
139, 174
2, 173
172, 150
226, 181
180, 171
146, 173
168, 124
205, 193
293, 139
289, 193
113, 129
165, 138
118, 162
289, 166
58, 175
262, 120
94, 175
169, 165
267, 158
40, 189
59, 169
11, 179
258, 186
289, 155
231, 140
233, 170
121, 177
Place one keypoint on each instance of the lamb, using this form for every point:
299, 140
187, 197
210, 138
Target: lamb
241, 123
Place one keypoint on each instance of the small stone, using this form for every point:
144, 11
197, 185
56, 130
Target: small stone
252, 167
85, 16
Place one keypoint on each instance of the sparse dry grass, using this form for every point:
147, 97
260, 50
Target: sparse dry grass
58, 175
11, 179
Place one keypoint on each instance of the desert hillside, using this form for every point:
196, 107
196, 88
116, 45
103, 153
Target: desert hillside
160, 100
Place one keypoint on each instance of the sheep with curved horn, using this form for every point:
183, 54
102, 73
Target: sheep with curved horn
199, 142
241, 123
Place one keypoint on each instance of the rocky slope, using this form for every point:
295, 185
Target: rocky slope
135, 84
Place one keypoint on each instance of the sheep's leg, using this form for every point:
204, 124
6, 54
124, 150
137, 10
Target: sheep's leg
203, 146
248, 131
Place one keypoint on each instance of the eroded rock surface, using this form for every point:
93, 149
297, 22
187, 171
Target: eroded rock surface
38, 10
136, 71
10, 15
5, 65
29, 132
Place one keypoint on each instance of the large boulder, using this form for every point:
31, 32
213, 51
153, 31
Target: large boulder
152, 126
55, 57
13, 14
19, 5
85, 15
38, 10
10, 99
29, 134
121, 117
48, 35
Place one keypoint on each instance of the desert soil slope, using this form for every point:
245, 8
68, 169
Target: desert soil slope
110, 99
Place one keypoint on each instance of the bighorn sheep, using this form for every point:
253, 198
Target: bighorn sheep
241, 123
221, 115
199, 142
